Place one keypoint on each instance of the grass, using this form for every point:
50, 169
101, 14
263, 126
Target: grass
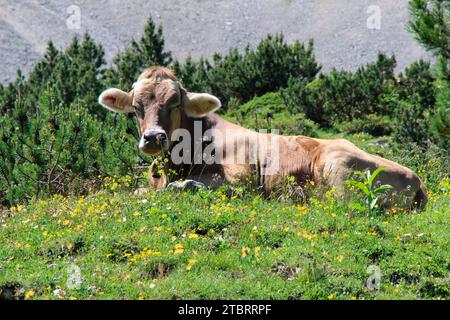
206, 245
209, 245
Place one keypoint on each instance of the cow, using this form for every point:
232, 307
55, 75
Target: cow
164, 108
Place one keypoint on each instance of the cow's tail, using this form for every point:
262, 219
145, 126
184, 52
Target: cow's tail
421, 198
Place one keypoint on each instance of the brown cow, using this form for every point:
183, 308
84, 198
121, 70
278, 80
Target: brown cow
165, 111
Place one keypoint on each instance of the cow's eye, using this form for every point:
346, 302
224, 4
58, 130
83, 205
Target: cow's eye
139, 109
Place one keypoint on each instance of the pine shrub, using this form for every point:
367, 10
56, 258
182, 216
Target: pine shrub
343, 96
61, 150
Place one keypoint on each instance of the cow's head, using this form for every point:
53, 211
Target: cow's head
158, 100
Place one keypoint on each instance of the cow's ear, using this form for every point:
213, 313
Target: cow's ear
199, 105
117, 101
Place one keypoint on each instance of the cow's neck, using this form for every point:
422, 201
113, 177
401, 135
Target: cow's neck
302, 147
190, 125
216, 125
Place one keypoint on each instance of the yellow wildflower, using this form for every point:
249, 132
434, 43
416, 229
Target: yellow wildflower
143, 229
191, 263
193, 236
257, 250
245, 251
178, 249
29, 294
306, 235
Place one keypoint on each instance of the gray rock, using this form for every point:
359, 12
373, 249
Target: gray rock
186, 185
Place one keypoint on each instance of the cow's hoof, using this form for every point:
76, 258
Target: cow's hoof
141, 191
186, 185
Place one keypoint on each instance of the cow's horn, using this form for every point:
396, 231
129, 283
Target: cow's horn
177, 89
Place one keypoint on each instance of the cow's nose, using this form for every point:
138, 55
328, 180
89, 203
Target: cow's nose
155, 139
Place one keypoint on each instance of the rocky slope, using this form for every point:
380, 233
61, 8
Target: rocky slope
202, 27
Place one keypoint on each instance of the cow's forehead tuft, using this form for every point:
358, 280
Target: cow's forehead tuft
143, 83
159, 73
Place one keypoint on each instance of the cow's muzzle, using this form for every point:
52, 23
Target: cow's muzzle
154, 142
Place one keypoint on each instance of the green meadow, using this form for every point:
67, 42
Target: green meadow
219, 244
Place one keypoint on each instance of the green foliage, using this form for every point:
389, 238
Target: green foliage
372, 124
440, 122
60, 150
268, 104
74, 76
55, 138
13, 92
269, 112
430, 23
416, 84
254, 72
367, 186
148, 51
344, 96
413, 123
193, 74
416, 101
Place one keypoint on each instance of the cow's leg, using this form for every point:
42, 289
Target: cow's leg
405, 184
157, 178
333, 178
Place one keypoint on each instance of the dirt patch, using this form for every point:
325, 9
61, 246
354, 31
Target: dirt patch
119, 251
285, 271
437, 288
12, 291
60, 251
158, 270
398, 276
